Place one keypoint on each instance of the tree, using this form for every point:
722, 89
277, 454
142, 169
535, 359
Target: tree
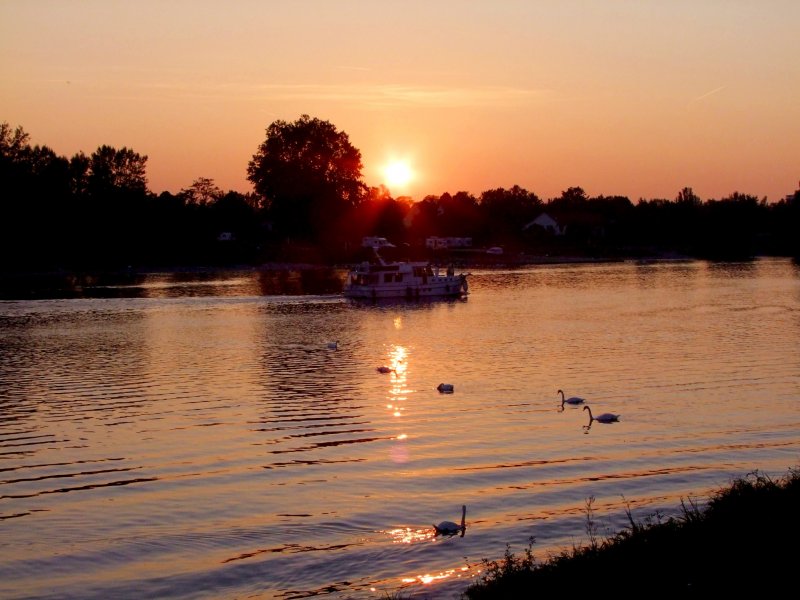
113, 171
203, 191
12, 142
308, 174
507, 211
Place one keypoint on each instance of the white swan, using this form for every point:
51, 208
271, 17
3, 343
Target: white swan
571, 400
604, 418
450, 528
445, 388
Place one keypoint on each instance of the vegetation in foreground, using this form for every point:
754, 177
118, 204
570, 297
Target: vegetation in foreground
744, 541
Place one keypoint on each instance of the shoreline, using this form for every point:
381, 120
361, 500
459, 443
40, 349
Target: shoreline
24, 284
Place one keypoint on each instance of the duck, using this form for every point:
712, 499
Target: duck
385, 369
333, 345
450, 528
603, 418
571, 400
445, 388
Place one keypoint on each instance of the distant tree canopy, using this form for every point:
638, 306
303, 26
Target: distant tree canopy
310, 204
309, 175
114, 172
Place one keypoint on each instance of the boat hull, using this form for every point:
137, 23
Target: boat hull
445, 287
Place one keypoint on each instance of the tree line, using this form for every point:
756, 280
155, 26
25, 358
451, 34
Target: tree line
309, 203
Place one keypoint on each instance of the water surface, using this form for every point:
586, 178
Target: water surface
189, 437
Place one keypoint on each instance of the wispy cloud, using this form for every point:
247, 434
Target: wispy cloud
363, 95
392, 95
707, 94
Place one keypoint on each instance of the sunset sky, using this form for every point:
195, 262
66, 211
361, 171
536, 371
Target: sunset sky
638, 98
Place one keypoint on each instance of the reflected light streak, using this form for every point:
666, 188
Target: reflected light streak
429, 579
399, 390
397, 359
406, 535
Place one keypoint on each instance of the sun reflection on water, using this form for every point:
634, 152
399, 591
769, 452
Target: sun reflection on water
397, 395
428, 578
407, 535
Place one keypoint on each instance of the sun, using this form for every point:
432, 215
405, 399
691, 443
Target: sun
397, 174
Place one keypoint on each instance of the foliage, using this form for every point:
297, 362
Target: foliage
309, 175
310, 205
742, 541
116, 171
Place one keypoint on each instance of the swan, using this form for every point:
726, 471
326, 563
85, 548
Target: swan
445, 388
385, 369
604, 418
450, 528
571, 400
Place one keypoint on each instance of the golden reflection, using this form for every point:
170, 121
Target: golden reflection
398, 323
398, 361
407, 535
397, 395
428, 578
397, 358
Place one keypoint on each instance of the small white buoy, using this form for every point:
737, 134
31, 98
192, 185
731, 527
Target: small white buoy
445, 388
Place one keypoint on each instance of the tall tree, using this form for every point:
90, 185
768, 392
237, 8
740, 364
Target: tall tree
507, 211
203, 191
309, 175
113, 171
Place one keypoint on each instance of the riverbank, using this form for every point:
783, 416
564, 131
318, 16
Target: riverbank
744, 541
317, 277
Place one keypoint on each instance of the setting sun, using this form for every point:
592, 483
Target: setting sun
397, 174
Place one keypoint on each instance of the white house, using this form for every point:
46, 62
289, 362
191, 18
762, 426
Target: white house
547, 223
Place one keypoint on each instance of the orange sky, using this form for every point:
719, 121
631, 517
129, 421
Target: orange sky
639, 98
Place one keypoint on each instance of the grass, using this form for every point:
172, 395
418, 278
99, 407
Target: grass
744, 541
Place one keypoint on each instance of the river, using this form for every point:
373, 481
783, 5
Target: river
196, 437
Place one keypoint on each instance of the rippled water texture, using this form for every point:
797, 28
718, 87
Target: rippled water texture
200, 438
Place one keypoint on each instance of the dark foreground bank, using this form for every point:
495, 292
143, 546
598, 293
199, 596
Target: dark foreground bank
743, 542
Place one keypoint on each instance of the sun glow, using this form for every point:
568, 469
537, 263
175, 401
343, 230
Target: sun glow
397, 174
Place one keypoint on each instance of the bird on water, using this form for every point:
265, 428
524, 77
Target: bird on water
571, 400
603, 418
450, 528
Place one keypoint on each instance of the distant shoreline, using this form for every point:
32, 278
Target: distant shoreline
20, 285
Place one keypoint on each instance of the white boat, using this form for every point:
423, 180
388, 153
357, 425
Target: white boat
409, 280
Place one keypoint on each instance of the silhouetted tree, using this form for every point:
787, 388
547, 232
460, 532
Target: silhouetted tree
687, 196
309, 176
35, 192
202, 191
460, 215
506, 212
115, 172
